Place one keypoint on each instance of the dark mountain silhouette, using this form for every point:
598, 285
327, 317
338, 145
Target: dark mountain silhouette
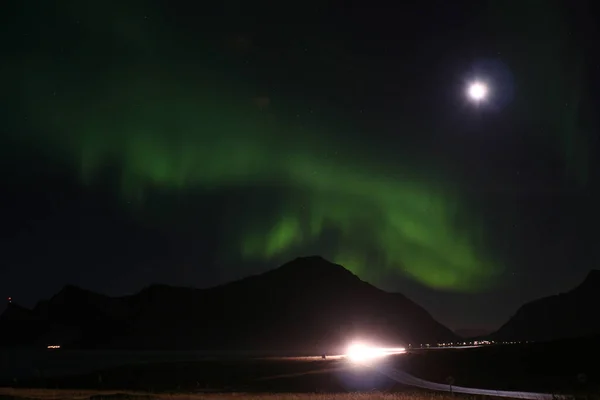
307, 305
471, 333
18, 325
567, 315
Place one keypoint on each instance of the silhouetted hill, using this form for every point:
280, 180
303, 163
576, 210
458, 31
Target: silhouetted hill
567, 315
471, 333
308, 304
19, 325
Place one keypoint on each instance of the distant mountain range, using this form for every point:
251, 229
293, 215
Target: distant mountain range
307, 305
471, 333
567, 315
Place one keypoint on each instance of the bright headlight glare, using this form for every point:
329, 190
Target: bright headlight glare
360, 352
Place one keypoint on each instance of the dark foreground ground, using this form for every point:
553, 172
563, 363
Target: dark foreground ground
46, 394
560, 367
275, 376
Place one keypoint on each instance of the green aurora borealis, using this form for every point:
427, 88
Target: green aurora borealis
173, 136
173, 126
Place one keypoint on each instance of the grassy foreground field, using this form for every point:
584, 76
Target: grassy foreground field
49, 394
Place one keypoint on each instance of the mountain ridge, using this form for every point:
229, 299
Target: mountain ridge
562, 316
305, 304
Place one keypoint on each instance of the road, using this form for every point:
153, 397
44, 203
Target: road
409, 380
404, 378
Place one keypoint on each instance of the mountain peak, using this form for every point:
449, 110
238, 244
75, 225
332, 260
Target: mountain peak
71, 291
591, 281
314, 260
315, 267
594, 275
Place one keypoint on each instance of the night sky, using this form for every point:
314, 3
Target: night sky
191, 144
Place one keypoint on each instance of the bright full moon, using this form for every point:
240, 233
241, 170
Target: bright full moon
477, 91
